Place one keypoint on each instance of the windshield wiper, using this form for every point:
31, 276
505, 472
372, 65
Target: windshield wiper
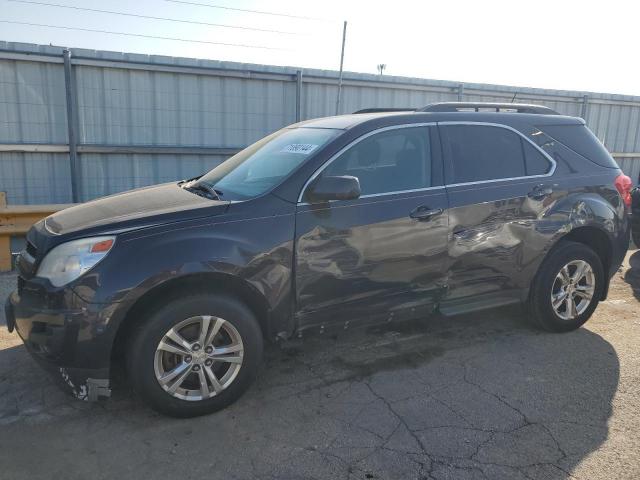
211, 192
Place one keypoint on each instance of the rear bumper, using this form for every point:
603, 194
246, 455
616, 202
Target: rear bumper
635, 226
620, 246
634, 217
61, 341
621, 243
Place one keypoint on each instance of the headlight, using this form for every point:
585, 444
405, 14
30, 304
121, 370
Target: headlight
68, 261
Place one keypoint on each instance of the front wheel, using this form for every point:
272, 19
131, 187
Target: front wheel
195, 355
567, 288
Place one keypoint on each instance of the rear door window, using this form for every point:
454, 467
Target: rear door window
482, 152
535, 162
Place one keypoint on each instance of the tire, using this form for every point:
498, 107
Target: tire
549, 280
148, 362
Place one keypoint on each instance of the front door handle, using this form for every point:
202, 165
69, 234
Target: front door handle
425, 213
540, 191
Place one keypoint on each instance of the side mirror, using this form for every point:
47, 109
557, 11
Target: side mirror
326, 189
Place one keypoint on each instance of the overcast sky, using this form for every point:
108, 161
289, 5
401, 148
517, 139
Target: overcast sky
564, 44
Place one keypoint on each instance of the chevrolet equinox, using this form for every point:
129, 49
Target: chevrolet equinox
335, 222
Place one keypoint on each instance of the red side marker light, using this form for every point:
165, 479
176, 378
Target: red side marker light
103, 246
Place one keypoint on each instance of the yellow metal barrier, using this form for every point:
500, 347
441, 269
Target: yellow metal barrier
16, 221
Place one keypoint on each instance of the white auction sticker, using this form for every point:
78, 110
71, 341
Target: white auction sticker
303, 148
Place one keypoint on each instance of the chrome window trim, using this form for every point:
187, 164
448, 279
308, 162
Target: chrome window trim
354, 142
371, 195
446, 185
397, 192
506, 179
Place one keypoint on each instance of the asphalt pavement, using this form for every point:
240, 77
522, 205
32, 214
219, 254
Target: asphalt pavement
480, 396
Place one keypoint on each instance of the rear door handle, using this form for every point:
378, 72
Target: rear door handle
540, 191
425, 213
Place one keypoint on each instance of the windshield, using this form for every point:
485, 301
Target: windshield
260, 167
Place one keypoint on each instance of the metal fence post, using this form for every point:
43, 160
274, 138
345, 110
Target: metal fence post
585, 104
5, 241
71, 123
298, 95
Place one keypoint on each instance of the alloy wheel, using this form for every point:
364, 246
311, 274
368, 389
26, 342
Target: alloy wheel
573, 289
198, 358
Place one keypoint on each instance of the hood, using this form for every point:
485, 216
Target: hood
134, 209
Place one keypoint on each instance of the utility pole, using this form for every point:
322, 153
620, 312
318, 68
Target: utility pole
69, 86
344, 36
381, 67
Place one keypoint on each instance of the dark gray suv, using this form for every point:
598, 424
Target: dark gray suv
329, 223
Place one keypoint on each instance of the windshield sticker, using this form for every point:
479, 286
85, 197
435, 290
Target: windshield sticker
303, 148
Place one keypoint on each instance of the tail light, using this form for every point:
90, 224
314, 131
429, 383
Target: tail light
624, 185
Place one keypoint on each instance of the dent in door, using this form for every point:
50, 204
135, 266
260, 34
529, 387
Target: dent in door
382, 262
494, 244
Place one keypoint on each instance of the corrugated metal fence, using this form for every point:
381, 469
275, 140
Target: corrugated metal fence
75, 125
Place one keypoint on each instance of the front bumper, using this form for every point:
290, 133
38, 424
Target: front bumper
9, 316
64, 341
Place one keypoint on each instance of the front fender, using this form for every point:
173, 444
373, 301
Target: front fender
257, 251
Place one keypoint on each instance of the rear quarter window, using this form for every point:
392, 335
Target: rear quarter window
582, 141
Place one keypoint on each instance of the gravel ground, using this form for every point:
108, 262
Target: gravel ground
473, 397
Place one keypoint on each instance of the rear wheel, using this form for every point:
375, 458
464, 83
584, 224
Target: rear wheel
567, 288
195, 355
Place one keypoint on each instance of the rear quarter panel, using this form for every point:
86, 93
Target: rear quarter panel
584, 196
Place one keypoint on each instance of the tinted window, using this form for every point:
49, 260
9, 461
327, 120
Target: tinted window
481, 152
535, 162
581, 140
390, 161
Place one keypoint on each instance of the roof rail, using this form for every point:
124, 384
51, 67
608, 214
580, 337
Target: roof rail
487, 107
385, 109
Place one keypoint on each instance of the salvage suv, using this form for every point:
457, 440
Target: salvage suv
328, 223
